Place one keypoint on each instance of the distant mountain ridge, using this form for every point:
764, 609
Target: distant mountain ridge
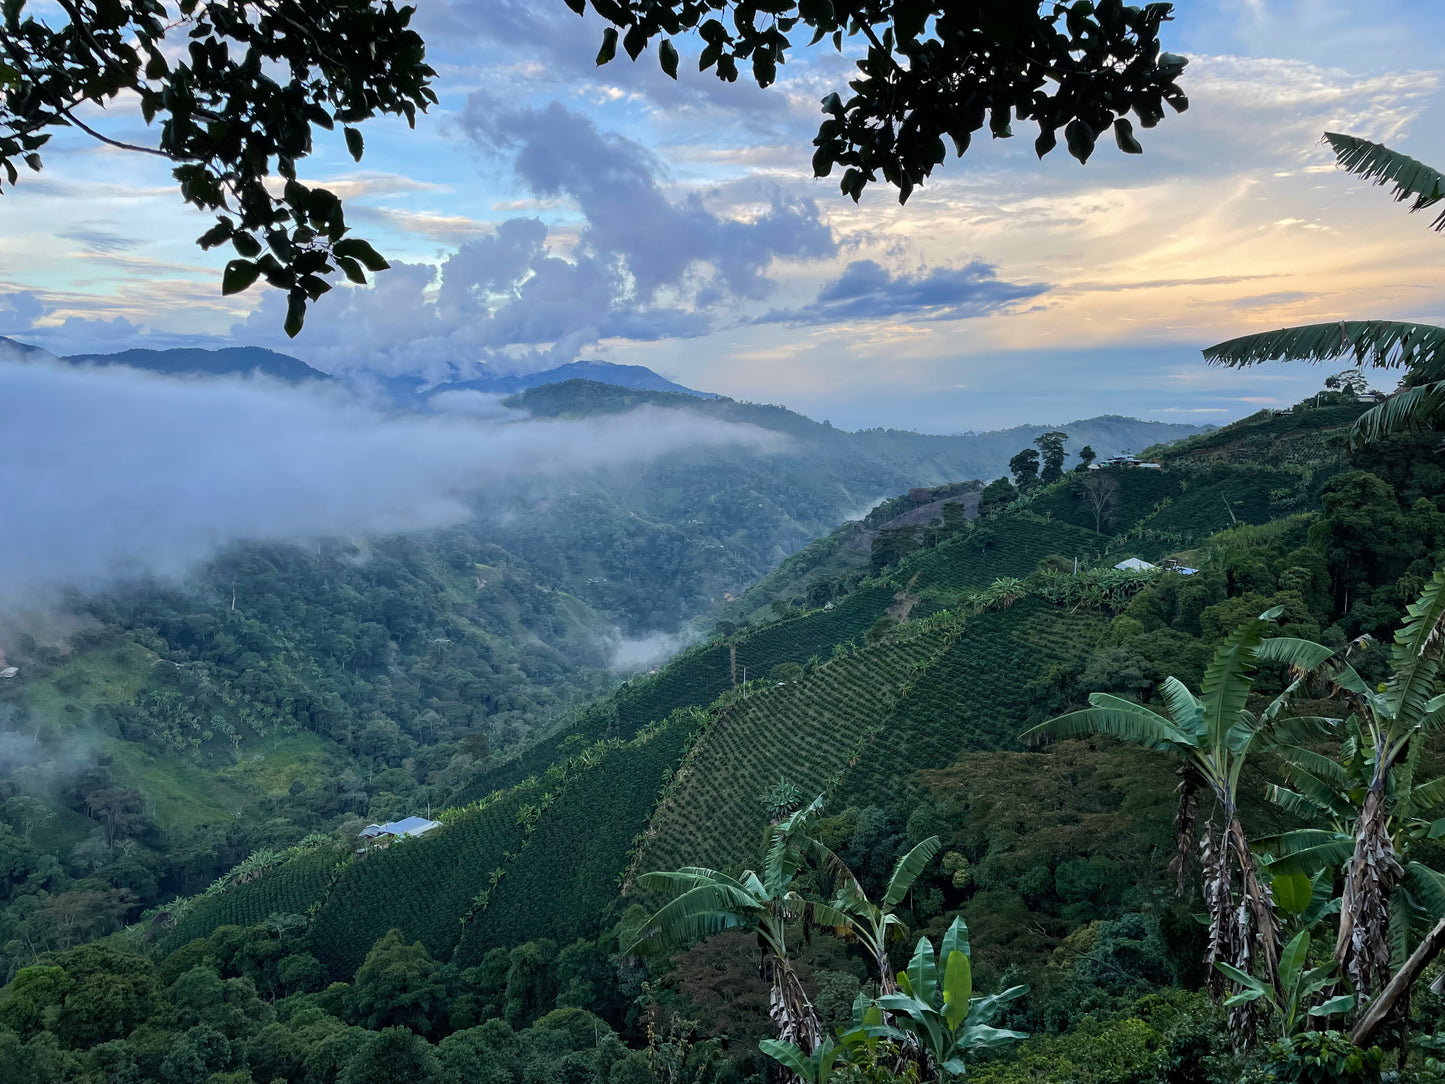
408, 390
229, 361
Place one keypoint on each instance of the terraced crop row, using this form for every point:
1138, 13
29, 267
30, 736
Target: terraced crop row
289, 889
972, 697
806, 731
595, 722
697, 678
1017, 544
568, 872
424, 886
799, 639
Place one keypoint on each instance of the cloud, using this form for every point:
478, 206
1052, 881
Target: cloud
19, 311
868, 291
642, 268
615, 183
109, 473
103, 242
629, 655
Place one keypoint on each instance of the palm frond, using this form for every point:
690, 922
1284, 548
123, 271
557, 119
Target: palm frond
1413, 180
1307, 805
1427, 886
1427, 796
1385, 344
680, 880
1307, 851
1299, 728
1298, 654
1348, 679
1184, 706
908, 869
1418, 407
1229, 677
1397, 930
1317, 764
1118, 717
1416, 654
816, 913
699, 912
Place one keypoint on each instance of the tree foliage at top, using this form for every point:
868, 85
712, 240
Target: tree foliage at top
235, 91
932, 71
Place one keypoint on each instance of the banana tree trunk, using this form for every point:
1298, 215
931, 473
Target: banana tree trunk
1188, 791
887, 984
1398, 987
1257, 910
1219, 903
791, 1010
1361, 948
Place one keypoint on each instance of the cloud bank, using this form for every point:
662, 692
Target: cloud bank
643, 266
110, 473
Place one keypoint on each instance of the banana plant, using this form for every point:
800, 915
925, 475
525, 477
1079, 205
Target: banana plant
934, 1015
814, 1068
1329, 793
1213, 734
1298, 986
876, 924
1392, 718
765, 903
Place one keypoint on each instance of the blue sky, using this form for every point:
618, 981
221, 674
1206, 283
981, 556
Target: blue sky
550, 211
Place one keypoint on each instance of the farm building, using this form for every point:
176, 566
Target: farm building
1133, 564
382, 834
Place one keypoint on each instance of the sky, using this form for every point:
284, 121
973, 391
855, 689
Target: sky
1008, 290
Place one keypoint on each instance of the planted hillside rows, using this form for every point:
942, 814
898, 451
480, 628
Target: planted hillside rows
1139, 492
805, 731
973, 697
423, 886
693, 680
1202, 510
567, 873
289, 889
1018, 544
697, 679
799, 639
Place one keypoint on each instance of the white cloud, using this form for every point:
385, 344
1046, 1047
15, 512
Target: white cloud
112, 472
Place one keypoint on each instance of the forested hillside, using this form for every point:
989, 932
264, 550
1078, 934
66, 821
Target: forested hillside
160, 732
899, 663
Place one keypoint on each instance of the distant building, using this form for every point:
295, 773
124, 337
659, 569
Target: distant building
9, 671
1133, 564
380, 835
1126, 460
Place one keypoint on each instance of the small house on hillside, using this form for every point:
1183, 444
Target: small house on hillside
1127, 460
381, 835
1133, 564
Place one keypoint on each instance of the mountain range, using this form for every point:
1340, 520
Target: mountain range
409, 390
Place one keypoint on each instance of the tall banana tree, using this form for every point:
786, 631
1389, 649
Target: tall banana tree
1417, 348
1391, 719
1213, 733
765, 903
1329, 793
